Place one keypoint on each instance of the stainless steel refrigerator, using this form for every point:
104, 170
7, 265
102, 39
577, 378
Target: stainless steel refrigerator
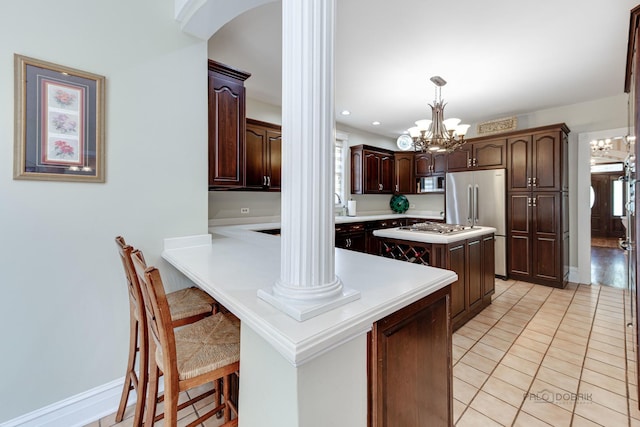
478, 198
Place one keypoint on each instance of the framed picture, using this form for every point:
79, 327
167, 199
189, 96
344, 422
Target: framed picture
59, 122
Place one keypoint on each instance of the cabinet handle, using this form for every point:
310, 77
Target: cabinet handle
528, 201
534, 182
534, 202
348, 243
397, 188
528, 182
475, 162
264, 181
268, 181
380, 187
469, 162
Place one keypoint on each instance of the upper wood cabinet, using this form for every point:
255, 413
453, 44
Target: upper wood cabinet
405, 182
263, 157
427, 164
479, 153
372, 170
226, 125
538, 160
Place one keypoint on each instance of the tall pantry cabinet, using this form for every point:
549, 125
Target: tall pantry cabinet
537, 205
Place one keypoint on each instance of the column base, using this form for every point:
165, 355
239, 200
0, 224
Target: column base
303, 309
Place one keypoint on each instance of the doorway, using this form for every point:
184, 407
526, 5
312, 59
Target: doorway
608, 201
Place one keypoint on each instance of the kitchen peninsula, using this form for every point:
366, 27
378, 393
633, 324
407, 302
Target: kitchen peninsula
344, 356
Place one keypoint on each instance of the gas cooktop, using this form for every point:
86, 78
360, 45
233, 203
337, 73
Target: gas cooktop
435, 227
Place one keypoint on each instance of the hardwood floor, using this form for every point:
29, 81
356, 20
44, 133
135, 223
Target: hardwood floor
608, 263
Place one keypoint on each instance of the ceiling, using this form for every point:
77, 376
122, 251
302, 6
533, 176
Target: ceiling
500, 57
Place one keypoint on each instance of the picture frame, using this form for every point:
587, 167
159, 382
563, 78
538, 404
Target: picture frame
492, 127
59, 122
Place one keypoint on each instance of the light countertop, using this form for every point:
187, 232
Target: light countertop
418, 236
233, 262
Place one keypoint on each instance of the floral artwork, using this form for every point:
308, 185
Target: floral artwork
64, 123
62, 135
64, 98
59, 122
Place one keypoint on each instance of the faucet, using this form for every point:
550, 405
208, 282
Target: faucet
342, 206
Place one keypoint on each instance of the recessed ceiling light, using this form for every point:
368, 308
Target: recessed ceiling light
376, 123
345, 112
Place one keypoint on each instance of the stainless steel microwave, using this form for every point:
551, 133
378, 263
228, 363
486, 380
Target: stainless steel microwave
431, 184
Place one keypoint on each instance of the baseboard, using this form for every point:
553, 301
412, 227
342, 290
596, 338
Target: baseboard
574, 276
76, 411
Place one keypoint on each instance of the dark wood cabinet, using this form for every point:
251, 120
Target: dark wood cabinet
538, 160
226, 118
537, 215
263, 157
477, 154
404, 173
372, 170
351, 236
538, 236
473, 260
410, 366
428, 164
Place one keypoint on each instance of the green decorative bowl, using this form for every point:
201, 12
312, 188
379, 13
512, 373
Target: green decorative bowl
399, 203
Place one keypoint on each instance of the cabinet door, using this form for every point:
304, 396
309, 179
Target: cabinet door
387, 174
547, 234
274, 156
519, 233
410, 365
459, 160
488, 266
255, 167
490, 154
547, 160
456, 263
404, 173
519, 163
226, 131
423, 164
439, 163
371, 172
474, 277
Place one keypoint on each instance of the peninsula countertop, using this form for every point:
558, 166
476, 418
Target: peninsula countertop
233, 262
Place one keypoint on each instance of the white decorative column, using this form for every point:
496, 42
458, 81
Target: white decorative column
308, 284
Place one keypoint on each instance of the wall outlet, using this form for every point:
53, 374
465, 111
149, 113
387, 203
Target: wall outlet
244, 210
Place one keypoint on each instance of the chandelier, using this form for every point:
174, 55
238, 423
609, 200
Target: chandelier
600, 147
438, 134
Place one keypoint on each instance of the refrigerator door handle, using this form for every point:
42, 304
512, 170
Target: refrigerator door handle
470, 205
476, 218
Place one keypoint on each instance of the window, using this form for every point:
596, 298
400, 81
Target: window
340, 151
618, 198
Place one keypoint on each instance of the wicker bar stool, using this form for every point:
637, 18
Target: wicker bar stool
186, 306
199, 353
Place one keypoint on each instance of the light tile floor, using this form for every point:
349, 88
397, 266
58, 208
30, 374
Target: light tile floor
538, 356
186, 416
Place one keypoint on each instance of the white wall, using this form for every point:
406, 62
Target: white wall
64, 307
